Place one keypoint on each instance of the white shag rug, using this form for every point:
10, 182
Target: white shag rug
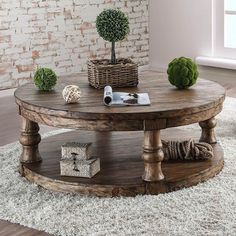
206, 209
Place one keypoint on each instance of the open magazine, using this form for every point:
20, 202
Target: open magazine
124, 99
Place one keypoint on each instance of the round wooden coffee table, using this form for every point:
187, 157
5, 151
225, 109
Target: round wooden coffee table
123, 171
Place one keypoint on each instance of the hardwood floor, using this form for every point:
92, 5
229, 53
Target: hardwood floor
9, 229
9, 130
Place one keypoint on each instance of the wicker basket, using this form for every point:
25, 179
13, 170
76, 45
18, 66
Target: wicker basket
122, 74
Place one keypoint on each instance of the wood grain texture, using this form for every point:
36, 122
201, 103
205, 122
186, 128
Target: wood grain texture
208, 132
153, 155
169, 107
10, 229
29, 139
10, 125
121, 166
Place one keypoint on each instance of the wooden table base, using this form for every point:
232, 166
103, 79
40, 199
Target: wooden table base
121, 166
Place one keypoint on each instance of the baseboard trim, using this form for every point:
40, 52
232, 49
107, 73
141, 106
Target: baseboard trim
216, 62
143, 68
158, 68
7, 92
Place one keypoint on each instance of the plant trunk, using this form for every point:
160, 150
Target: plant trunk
113, 53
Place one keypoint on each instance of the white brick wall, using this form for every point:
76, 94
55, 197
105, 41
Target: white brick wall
62, 35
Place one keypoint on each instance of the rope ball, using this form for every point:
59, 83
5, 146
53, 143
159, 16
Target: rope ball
71, 94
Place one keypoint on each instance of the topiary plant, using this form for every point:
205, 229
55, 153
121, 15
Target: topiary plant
45, 79
182, 72
112, 25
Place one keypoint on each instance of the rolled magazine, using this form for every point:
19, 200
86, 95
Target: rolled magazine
108, 97
124, 99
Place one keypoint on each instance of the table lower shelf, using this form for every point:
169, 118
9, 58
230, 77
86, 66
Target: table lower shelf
121, 165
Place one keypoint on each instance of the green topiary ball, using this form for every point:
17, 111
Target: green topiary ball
112, 25
182, 72
45, 79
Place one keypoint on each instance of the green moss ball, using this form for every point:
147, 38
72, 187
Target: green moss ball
112, 25
182, 72
45, 79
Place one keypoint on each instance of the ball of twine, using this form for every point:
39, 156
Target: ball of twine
187, 150
71, 93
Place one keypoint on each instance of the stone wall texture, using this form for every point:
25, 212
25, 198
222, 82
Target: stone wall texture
61, 34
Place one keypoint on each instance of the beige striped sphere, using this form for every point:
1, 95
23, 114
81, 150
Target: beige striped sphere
71, 94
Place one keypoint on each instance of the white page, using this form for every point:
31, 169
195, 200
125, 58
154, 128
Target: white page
116, 98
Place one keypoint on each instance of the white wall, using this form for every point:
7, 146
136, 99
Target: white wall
179, 28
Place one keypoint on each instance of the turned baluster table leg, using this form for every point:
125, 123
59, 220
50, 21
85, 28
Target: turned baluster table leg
29, 139
208, 132
152, 156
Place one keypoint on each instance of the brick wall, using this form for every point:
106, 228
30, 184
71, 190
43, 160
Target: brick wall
61, 34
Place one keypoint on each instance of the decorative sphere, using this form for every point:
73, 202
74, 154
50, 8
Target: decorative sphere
45, 79
71, 93
112, 25
182, 72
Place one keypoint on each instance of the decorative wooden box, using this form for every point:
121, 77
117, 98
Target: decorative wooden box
80, 168
81, 150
